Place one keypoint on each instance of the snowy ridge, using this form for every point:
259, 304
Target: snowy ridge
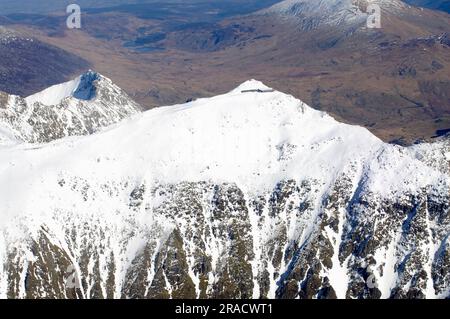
256, 194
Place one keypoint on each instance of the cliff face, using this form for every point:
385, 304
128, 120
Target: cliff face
244, 195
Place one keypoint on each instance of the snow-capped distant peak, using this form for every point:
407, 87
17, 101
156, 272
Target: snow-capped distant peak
330, 12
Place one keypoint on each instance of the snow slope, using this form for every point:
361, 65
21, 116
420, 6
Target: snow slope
256, 193
55, 94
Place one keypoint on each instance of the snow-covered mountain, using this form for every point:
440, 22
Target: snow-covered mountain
242, 195
79, 107
314, 13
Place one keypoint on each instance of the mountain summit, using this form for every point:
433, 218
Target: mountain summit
244, 195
